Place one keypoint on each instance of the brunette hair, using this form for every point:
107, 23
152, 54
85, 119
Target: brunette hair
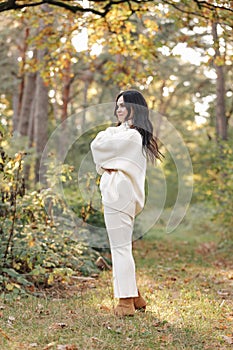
134, 101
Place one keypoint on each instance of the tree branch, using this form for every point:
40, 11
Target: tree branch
170, 3
13, 5
200, 4
210, 6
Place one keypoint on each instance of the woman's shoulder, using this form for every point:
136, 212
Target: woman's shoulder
131, 135
111, 130
135, 133
122, 132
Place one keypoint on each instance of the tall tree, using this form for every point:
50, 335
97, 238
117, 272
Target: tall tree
27, 102
41, 102
221, 120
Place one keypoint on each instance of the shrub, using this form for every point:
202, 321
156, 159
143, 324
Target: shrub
35, 247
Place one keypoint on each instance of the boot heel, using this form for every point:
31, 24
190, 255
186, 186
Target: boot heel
140, 303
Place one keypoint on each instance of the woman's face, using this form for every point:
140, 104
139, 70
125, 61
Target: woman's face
121, 110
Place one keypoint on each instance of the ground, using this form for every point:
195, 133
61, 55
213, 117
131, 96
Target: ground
186, 278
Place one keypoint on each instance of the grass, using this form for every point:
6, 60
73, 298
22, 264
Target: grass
186, 278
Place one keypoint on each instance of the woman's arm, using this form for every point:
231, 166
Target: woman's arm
111, 150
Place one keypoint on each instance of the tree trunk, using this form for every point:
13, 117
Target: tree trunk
28, 167
66, 90
221, 120
15, 101
85, 91
22, 51
31, 125
64, 136
41, 123
28, 95
41, 109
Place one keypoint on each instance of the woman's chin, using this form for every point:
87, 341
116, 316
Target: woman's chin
121, 119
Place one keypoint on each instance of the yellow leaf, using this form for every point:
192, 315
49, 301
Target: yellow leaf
50, 279
9, 286
31, 243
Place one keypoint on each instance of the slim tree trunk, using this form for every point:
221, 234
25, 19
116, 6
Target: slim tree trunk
41, 120
31, 125
22, 51
41, 108
85, 91
221, 120
28, 96
19, 90
64, 136
29, 166
66, 90
15, 102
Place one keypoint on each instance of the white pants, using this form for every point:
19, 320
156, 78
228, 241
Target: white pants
120, 229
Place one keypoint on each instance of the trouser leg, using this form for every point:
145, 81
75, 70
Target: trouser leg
120, 228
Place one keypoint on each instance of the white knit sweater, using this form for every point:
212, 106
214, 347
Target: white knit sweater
120, 148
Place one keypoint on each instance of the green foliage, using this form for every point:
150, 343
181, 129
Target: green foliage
222, 179
36, 249
215, 181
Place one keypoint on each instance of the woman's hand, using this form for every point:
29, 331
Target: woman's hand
109, 171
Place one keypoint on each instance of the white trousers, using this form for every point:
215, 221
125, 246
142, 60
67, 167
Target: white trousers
120, 229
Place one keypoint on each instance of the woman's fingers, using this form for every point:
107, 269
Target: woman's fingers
109, 170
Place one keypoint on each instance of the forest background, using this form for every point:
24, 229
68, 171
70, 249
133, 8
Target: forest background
61, 59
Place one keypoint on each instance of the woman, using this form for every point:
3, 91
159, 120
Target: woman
120, 154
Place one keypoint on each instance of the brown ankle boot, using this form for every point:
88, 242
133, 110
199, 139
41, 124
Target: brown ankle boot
140, 303
125, 307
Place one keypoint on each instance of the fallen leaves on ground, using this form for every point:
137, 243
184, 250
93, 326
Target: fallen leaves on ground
228, 339
189, 302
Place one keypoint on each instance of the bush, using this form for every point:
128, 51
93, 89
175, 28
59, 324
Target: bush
215, 182
35, 249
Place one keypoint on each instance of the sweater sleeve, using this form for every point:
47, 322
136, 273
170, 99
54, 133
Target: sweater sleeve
111, 145
100, 137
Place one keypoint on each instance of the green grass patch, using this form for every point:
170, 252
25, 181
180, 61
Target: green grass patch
186, 278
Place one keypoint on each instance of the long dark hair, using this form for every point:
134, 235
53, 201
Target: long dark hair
136, 103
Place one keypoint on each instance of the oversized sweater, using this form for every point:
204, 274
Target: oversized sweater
120, 148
